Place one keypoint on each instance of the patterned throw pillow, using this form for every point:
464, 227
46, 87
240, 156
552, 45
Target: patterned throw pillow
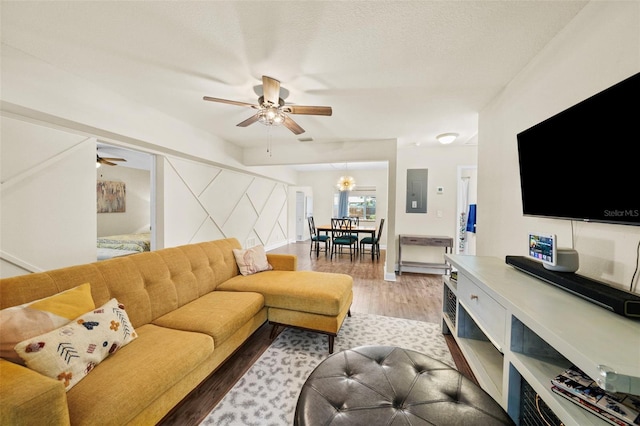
252, 260
70, 352
18, 323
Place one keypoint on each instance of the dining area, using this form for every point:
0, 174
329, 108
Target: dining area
342, 236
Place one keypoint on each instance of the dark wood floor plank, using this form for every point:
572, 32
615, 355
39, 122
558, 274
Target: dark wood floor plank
412, 296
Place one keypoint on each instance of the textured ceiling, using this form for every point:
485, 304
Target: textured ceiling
405, 70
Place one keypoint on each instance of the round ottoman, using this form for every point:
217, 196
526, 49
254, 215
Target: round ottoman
386, 385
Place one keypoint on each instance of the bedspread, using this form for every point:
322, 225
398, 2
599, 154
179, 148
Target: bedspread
130, 242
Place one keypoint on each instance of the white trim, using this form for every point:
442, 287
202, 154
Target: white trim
19, 262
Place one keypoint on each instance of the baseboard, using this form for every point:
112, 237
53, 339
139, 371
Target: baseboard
423, 270
389, 276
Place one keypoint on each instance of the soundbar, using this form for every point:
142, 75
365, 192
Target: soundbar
619, 301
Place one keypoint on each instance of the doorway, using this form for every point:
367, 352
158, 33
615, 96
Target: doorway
135, 171
466, 210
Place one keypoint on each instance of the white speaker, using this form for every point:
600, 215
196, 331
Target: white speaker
567, 261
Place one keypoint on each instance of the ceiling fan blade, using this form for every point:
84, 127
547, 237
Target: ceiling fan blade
108, 163
271, 90
226, 101
248, 121
292, 125
113, 159
308, 110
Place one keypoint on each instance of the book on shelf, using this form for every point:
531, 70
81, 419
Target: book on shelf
604, 415
624, 407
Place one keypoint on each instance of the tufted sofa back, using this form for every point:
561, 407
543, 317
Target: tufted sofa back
149, 284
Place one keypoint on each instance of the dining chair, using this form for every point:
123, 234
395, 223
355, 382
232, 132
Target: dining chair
373, 241
355, 222
316, 239
341, 236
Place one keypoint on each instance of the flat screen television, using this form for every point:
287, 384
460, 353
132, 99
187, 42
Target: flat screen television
581, 164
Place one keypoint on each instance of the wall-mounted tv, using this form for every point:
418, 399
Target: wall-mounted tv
581, 164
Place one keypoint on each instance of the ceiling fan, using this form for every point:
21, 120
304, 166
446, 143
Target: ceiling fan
106, 160
272, 110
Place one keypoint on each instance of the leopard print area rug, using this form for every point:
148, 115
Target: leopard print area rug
267, 394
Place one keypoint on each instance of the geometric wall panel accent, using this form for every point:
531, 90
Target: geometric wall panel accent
224, 193
207, 232
242, 221
279, 232
196, 175
203, 202
183, 213
268, 219
259, 192
47, 198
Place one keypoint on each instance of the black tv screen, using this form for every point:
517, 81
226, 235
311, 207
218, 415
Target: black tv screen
582, 164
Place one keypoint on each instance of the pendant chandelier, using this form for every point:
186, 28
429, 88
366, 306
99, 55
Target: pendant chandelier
346, 183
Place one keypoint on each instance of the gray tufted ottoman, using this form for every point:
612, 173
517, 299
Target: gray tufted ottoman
385, 385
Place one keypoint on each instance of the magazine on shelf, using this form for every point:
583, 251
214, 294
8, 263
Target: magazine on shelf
624, 406
605, 415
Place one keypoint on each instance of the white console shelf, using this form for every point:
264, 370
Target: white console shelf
512, 326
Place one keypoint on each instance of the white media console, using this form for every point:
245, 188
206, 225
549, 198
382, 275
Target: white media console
513, 328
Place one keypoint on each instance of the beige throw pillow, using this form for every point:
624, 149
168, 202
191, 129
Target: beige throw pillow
18, 323
70, 352
252, 260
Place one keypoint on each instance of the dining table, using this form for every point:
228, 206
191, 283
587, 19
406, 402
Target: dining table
358, 229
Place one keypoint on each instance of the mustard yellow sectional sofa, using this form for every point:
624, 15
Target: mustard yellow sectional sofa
190, 308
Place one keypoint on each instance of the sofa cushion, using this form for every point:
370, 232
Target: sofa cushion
252, 260
322, 293
72, 351
141, 372
218, 314
41, 316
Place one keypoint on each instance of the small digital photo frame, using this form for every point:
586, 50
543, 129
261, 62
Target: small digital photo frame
543, 248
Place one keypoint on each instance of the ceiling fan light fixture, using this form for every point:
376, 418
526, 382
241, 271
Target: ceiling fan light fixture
447, 138
271, 116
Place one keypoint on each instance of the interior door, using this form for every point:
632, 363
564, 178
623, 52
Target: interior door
300, 215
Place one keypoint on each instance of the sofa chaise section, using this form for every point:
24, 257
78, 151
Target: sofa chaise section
317, 301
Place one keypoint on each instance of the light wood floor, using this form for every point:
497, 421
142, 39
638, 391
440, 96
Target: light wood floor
411, 296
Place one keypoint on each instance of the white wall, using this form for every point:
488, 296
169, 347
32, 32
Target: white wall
137, 217
599, 48
441, 218
47, 198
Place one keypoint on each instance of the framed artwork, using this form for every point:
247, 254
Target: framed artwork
111, 196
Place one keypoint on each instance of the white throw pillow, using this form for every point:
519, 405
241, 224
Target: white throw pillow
252, 260
70, 352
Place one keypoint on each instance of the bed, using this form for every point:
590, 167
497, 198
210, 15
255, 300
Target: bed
122, 245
